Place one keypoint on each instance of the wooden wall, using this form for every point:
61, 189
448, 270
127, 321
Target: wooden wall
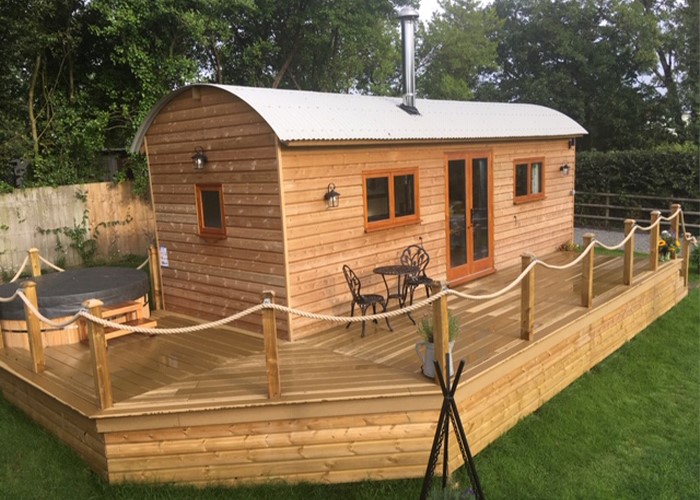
320, 241
211, 279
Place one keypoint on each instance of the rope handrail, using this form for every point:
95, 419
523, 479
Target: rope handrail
84, 313
21, 269
51, 265
143, 264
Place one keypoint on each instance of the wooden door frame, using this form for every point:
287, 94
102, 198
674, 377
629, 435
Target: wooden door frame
488, 267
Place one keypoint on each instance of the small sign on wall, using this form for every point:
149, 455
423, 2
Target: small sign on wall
163, 257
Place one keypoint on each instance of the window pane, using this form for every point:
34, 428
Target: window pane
377, 199
211, 206
521, 179
536, 178
404, 196
480, 208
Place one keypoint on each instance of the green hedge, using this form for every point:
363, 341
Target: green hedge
668, 173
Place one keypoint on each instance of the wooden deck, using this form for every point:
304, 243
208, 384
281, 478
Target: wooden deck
193, 407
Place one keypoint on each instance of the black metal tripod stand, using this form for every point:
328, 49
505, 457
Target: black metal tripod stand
442, 434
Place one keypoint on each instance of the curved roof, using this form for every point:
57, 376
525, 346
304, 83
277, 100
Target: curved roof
297, 115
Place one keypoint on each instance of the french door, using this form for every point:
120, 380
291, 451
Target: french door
469, 216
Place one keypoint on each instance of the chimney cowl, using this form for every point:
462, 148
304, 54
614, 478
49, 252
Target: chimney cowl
408, 17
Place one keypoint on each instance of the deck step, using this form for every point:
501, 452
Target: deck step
113, 333
125, 308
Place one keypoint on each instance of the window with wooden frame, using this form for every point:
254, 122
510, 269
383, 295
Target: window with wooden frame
528, 180
390, 198
211, 221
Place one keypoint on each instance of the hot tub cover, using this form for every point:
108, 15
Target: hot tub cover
62, 294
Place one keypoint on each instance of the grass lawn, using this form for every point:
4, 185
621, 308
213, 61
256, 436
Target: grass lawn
630, 428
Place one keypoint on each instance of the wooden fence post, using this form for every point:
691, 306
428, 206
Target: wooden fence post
98, 350
269, 324
675, 222
685, 252
628, 268
527, 299
154, 268
441, 330
587, 272
654, 242
34, 261
36, 346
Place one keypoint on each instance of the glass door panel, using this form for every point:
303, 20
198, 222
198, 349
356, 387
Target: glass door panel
457, 206
480, 208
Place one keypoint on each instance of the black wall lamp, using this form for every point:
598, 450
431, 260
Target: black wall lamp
572, 143
564, 169
332, 197
199, 159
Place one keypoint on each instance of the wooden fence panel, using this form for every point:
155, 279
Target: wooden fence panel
39, 217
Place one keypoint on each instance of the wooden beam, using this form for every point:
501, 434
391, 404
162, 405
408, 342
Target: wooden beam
587, 272
685, 252
654, 241
527, 299
628, 267
98, 351
441, 332
269, 324
675, 222
34, 261
36, 347
154, 268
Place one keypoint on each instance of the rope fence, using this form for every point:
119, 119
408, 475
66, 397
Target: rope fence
90, 313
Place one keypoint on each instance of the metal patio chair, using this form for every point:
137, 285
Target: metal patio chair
362, 300
415, 255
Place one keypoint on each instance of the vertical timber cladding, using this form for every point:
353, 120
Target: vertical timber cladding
320, 240
212, 279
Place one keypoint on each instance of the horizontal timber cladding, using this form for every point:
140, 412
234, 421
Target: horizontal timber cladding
210, 278
320, 241
66, 423
330, 449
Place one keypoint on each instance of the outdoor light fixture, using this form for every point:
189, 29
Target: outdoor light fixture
564, 169
332, 197
572, 143
199, 159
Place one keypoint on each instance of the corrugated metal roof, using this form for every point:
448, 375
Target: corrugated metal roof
317, 116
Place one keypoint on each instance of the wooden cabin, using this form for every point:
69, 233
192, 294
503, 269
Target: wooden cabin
239, 178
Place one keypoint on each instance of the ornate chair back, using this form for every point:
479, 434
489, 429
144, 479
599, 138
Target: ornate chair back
415, 255
354, 283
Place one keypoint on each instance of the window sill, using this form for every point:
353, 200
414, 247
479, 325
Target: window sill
379, 226
527, 199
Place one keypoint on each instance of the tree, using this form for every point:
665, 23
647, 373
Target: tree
456, 50
585, 59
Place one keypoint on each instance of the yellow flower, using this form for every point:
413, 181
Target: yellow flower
662, 243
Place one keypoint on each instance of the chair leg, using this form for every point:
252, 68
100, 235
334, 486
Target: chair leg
374, 311
427, 290
364, 311
352, 313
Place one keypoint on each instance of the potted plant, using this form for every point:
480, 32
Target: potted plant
425, 349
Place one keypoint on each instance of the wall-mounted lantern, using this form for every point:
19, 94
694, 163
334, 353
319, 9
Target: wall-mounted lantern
572, 143
332, 197
199, 159
564, 169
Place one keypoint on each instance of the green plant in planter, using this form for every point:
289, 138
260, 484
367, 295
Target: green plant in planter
425, 327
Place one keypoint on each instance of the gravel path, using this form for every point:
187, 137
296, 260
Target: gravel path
641, 238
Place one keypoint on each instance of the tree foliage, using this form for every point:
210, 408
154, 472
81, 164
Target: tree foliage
80, 75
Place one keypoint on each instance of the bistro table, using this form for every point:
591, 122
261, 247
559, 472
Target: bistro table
401, 272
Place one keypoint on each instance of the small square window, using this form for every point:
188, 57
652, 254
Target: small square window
529, 180
211, 221
390, 198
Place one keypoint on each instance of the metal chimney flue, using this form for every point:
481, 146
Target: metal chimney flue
408, 17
